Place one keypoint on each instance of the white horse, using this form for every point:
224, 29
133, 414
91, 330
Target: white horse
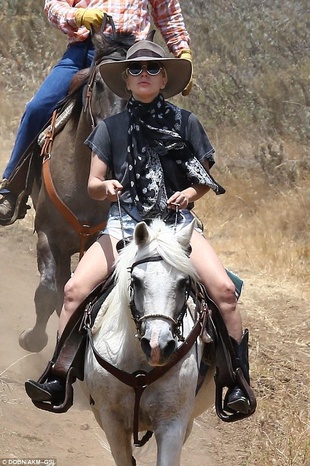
139, 334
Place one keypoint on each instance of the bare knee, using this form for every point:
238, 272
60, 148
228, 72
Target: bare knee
225, 297
73, 295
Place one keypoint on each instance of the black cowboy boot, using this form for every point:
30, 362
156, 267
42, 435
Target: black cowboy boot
53, 390
235, 399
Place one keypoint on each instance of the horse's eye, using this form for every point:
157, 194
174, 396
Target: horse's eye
99, 83
184, 283
136, 282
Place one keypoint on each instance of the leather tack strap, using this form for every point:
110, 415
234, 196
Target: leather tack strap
84, 230
140, 380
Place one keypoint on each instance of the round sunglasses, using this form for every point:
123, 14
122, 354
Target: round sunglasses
152, 68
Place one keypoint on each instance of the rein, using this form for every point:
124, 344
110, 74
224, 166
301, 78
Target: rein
140, 380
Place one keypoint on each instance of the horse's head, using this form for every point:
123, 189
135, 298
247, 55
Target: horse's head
161, 274
99, 99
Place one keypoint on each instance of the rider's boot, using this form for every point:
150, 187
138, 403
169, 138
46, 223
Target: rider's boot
54, 390
7, 206
235, 399
12, 206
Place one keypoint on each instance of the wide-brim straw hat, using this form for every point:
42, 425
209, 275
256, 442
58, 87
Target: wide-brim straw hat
178, 70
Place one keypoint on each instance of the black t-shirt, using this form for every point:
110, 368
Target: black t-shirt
109, 141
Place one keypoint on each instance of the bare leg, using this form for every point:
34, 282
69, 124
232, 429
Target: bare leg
219, 286
90, 272
93, 268
222, 290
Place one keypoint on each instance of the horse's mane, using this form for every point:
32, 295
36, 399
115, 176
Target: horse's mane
114, 47
163, 242
105, 45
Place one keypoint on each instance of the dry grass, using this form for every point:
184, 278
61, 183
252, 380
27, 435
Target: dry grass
261, 229
262, 218
279, 360
272, 228
282, 430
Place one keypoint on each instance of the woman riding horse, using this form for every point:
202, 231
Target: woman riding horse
159, 158
76, 19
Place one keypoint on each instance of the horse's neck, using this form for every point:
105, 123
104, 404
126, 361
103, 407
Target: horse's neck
70, 156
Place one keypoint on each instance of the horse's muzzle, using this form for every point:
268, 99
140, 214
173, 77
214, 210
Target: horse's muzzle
158, 344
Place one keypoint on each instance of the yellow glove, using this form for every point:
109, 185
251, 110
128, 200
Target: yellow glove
90, 18
186, 55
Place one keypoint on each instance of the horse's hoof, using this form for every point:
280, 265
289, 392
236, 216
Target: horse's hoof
30, 341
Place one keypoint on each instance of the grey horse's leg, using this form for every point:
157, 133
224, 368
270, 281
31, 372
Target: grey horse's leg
54, 268
118, 438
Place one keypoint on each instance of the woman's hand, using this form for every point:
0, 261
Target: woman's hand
111, 188
181, 199
178, 199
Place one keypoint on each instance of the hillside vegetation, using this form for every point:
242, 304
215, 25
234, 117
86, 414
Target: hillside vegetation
251, 60
251, 90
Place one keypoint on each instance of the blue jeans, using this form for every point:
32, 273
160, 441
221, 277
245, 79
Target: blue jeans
40, 108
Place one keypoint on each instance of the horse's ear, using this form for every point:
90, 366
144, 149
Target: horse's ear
150, 35
184, 235
141, 234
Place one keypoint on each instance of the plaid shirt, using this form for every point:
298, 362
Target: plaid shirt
128, 15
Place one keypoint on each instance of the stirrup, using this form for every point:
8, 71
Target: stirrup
68, 400
227, 416
20, 210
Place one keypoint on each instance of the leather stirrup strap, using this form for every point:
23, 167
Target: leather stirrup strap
84, 230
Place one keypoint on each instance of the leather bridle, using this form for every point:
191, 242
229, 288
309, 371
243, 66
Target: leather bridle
139, 318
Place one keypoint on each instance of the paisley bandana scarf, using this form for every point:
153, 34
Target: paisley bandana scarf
153, 140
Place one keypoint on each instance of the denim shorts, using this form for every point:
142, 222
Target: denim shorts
130, 218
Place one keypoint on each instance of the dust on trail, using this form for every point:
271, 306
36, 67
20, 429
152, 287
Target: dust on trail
277, 314
276, 322
72, 438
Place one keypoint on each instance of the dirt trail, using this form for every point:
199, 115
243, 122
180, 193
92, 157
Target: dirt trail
74, 438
